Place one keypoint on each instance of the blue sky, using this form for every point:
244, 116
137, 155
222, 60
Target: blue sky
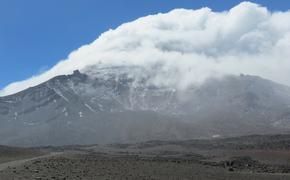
35, 35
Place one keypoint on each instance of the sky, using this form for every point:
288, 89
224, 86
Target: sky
35, 35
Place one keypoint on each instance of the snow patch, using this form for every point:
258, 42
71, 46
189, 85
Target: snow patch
81, 114
90, 108
216, 136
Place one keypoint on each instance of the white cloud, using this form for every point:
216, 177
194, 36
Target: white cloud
194, 44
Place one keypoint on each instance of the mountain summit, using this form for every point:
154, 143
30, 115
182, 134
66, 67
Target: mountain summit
115, 107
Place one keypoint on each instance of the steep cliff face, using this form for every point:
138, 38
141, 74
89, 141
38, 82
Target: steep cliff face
112, 105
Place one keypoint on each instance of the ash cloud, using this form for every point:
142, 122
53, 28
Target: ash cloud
188, 46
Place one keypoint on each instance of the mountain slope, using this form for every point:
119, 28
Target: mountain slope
114, 106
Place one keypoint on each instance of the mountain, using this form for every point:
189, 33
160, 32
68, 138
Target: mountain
114, 106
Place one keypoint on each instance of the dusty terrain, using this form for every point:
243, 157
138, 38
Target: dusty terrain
235, 158
8, 154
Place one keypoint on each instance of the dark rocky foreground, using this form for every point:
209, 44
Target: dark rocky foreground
196, 159
96, 166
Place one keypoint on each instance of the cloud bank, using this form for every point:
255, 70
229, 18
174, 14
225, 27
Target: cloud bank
188, 46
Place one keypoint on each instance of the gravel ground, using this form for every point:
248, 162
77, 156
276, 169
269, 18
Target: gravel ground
73, 166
